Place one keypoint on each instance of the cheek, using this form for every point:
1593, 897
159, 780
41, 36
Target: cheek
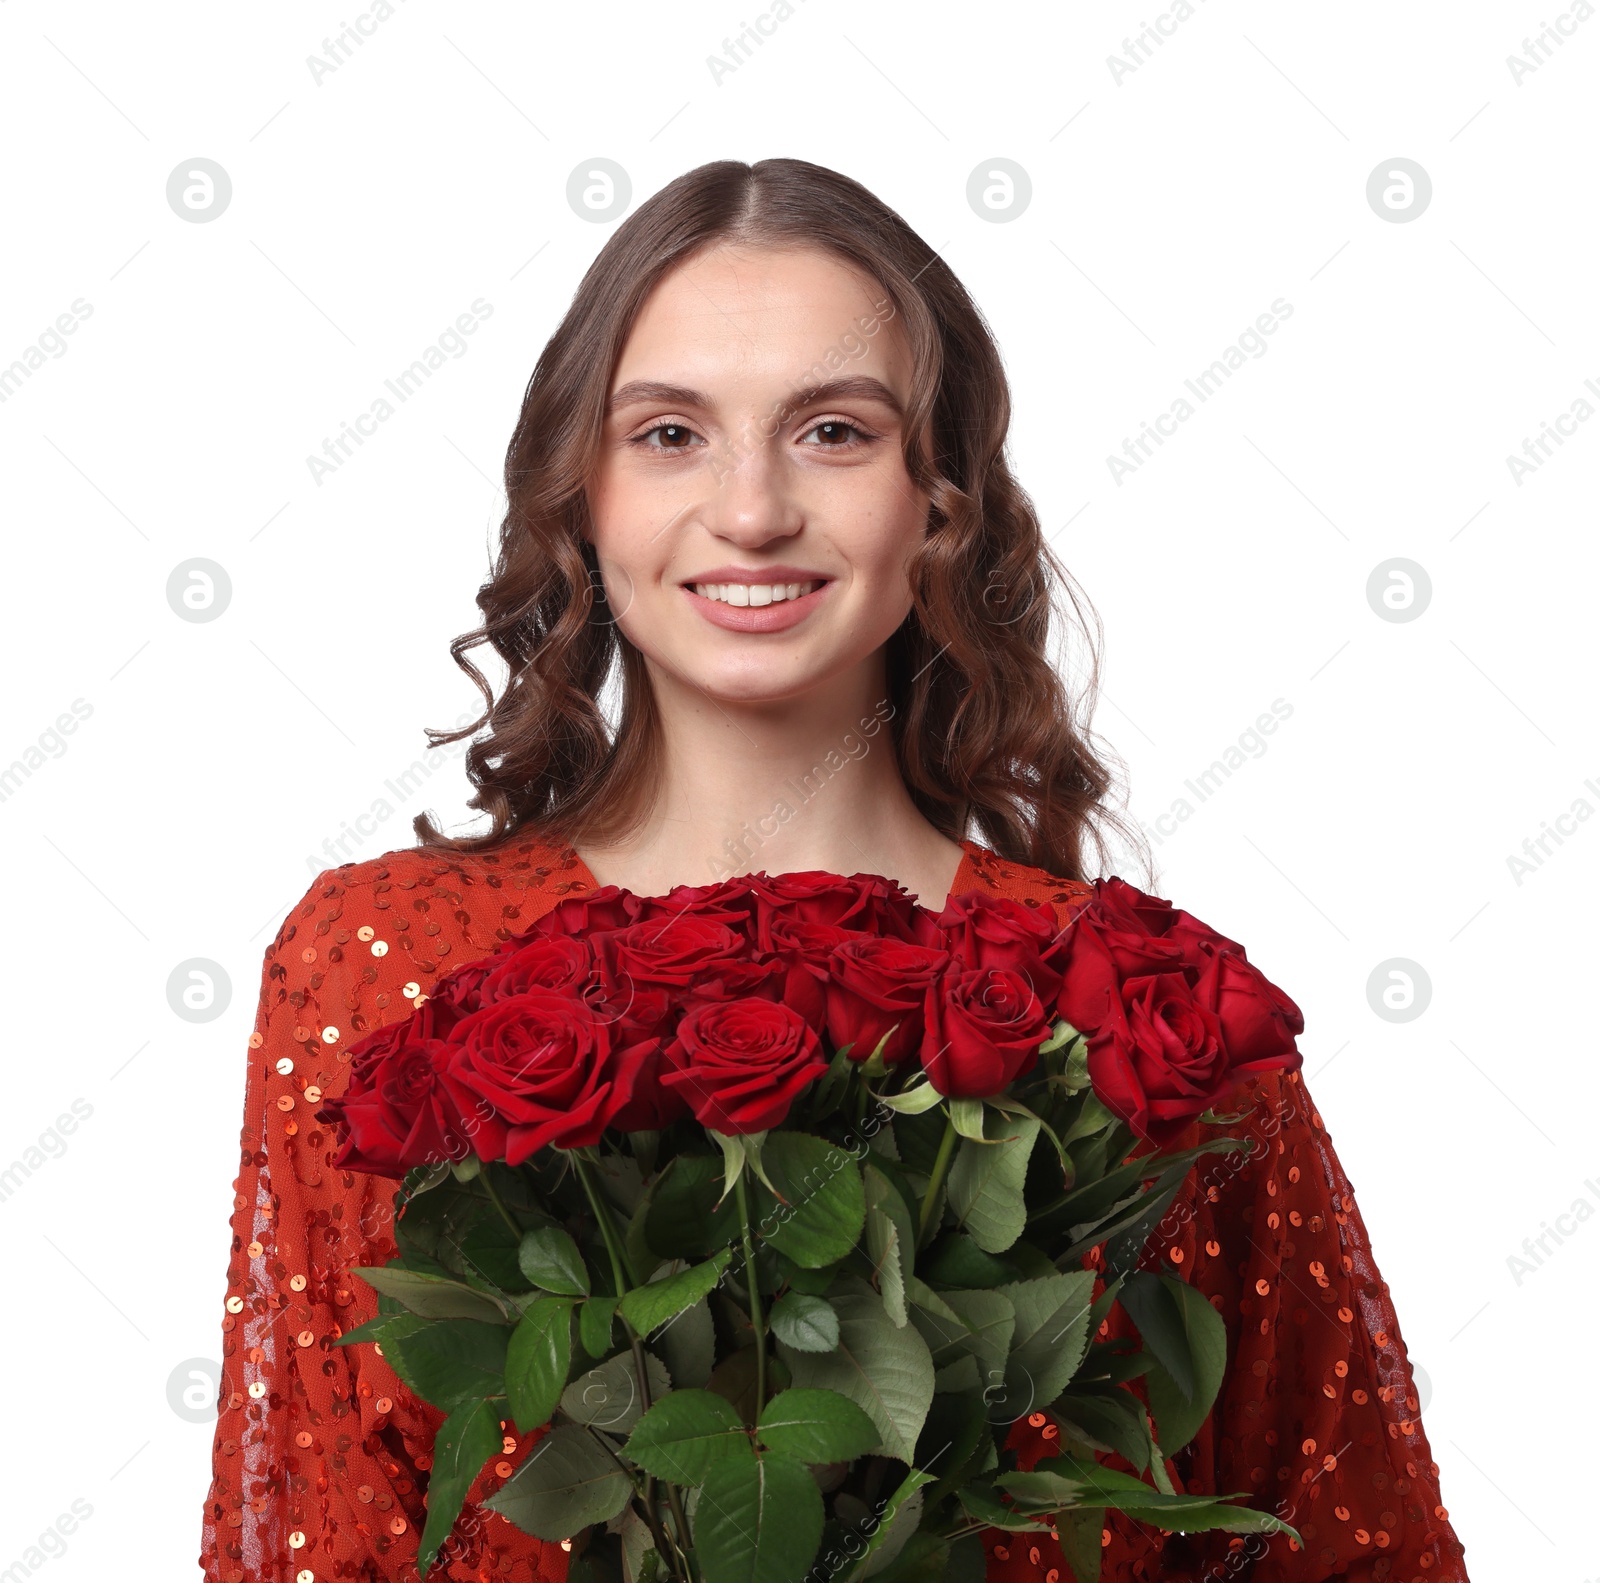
876, 518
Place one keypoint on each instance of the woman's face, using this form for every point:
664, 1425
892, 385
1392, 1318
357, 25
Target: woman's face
752, 514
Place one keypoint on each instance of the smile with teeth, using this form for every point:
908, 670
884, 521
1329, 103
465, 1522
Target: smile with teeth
753, 593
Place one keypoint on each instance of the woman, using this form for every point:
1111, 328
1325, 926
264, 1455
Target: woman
760, 466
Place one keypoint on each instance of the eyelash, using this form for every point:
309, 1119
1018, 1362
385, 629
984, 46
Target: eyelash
863, 435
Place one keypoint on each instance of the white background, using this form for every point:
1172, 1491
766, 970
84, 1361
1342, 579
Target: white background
1168, 210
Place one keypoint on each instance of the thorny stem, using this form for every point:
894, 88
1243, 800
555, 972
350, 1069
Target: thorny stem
677, 1556
758, 1324
941, 1164
499, 1203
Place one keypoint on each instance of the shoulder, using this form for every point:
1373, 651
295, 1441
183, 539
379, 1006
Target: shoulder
488, 895
1034, 887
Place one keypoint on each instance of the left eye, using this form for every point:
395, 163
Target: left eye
836, 432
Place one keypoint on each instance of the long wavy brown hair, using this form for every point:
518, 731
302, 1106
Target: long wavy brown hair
990, 742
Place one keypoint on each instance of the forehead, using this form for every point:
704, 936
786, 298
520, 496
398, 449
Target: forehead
761, 313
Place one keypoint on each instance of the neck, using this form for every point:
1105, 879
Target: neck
802, 783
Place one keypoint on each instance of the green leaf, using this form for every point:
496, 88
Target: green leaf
1052, 1332
567, 1483
551, 1261
816, 1426
1110, 1419
808, 1324
757, 1521
1079, 1537
956, 1260
986, 1185
1154, 1307
891, 1241
453, 1362
384, 1329
966, 1116
433, 1296
885, 1370
1061, 1032
1179, 1414
538, 1361
686, 1434
896, 1524
824, 1205
979, 1324
466, 1440
608, 1395
912, 1101
488, 1254
653, 1304
688, 1345
982, 1505
594, 1325
686, 1215
1064, 1482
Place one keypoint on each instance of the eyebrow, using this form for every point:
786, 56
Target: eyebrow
859, 387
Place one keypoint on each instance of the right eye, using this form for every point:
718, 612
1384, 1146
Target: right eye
673, 437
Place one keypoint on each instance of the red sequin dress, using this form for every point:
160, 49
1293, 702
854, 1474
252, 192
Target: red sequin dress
321, 1456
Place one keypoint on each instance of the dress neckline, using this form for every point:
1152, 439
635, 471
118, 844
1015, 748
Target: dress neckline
967, 875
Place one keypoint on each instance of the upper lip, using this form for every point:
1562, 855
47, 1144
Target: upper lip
758, 575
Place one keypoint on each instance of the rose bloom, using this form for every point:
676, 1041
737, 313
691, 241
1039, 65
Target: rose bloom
875, 984
864, 903
981, 930
1163, 1061
739, 1064
560, 963
984, 1029
549, 1067
670, 953
403, 1108
1174, 1020
800, 952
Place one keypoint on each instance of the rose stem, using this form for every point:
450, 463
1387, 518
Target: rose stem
941, 1164
495, 1199
635, 1341
758, 1324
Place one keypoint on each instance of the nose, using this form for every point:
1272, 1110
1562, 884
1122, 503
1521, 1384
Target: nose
751, 501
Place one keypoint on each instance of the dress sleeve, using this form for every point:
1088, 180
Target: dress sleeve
321, 1457
1318, 1419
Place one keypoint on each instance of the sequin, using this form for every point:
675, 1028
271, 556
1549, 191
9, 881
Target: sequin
338, 1450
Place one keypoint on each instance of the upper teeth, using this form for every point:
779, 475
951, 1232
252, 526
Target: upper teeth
753, 593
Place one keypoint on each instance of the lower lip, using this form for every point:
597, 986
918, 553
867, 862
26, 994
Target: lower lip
757, 618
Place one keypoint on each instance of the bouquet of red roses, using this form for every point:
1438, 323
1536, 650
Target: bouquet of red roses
773, 1204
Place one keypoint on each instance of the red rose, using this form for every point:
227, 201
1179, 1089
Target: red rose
875, 984
654, 1105
739, 1064
1259, 1022
549, 1068
610, 907
559, 963
982, 930
459, 991
1175, 1013
1161, 1063
727, 902
800, 952
984, 1029
679, 955
866, 903
402, 1108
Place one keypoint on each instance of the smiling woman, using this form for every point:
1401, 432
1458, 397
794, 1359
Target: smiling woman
769, 599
